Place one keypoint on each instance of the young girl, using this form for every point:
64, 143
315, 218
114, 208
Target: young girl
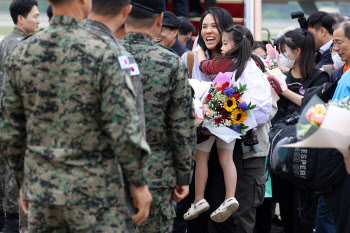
236, 56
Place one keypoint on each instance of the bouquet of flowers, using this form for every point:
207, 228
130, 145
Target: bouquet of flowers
324, 125
271, 63
225, 107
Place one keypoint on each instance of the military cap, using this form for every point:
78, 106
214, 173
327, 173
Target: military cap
170, 20
154, 6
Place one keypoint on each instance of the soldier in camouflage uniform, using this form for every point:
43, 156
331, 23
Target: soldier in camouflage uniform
69, 110
25, 15
169, 113
102, 13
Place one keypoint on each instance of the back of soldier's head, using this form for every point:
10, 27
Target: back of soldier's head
21, 7
108, 7
144, 13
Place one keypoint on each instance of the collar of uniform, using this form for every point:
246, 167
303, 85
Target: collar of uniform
98, 26
140, 37
64, 20
19, 32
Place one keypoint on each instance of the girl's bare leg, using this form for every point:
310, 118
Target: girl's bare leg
229, 170
201, 175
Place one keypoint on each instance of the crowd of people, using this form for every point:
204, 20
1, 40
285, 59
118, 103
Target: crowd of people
97, 121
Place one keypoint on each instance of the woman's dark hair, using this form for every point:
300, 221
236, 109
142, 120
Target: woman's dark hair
222, 18
304, 40
242, 52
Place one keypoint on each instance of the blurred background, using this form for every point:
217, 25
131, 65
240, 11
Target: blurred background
275, 14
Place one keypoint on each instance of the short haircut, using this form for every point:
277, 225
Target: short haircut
321, 19
346, 27
49, 12
259, 44
108, 7
185, 25
21, 7
141, 18
338, 17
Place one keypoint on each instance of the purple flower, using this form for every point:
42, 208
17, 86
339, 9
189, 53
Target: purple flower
242, 106
229, 92
235, 128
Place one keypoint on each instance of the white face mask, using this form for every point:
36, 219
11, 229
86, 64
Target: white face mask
337, 60
285, 61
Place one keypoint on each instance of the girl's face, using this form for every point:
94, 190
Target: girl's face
210, 32
227, 43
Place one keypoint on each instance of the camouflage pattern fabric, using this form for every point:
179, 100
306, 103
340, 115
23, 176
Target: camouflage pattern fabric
9, 192
2, 182
46, 218
162, 212
170, 130
103, 31
74, 116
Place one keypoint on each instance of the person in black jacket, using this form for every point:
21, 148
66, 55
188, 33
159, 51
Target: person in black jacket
297, 49
321, 25
168, 35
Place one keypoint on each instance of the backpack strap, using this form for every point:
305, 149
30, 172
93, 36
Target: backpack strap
190, 61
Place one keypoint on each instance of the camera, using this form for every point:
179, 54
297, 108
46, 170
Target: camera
301, 19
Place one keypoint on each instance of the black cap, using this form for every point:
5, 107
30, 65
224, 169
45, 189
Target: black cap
154, 6
170, 20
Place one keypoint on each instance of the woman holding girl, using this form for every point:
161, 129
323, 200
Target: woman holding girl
216, 20
236, 54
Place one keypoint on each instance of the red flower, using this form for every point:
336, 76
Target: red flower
218, 120
221, 110
208, 98
224, 115
236, 96
223, 87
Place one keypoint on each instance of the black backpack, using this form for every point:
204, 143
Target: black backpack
311, 169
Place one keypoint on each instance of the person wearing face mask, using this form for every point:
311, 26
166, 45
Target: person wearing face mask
297, 50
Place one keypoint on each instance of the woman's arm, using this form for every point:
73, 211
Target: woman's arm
293, 97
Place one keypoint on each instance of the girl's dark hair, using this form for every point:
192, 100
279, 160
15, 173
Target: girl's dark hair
259, 62
242, 52
304, 40
222, 18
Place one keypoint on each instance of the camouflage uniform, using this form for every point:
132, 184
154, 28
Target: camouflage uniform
100, 30
75, 115
9, 193
170, 130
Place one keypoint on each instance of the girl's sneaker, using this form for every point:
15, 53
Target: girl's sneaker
225, 210
196, 209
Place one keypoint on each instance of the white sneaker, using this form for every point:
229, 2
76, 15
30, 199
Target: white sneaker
196, 209
225, 210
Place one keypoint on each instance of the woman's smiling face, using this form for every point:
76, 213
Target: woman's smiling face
210, 32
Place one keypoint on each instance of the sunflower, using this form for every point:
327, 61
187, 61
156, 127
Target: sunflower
238, 116
230, 104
